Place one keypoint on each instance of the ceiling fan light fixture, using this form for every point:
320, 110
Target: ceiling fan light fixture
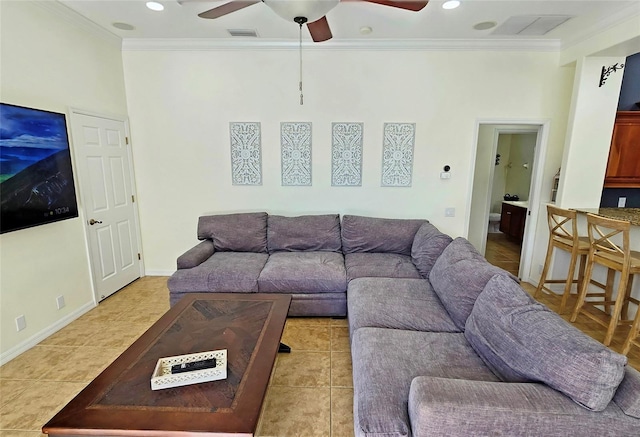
451, 4
312, 10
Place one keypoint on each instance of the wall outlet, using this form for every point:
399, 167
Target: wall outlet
21, 323
60, 302
449, 212
622, 202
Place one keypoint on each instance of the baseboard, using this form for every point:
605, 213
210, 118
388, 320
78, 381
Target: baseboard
9, 355
148, 272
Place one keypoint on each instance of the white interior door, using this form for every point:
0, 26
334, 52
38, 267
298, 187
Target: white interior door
106, 187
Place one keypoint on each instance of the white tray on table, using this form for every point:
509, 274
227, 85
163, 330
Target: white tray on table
163, 378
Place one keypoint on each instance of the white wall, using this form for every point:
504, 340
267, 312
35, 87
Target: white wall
498, 189
49, 64
521, 151
181, 103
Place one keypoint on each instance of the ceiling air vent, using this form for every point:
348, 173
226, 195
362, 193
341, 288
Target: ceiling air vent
530, 24
243, 32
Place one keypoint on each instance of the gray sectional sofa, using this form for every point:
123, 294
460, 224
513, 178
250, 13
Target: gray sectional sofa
442, 342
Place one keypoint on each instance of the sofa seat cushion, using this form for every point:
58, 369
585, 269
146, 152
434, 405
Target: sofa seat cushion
459, 276
308, 272
428, 245
222, 272
522, 340
385, 361
309, 232
396, 303
379, 265
372, 234
243, 232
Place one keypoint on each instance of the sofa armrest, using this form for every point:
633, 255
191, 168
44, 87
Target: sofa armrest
456, 407
196, 255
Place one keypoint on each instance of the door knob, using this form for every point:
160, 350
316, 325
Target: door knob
93, 222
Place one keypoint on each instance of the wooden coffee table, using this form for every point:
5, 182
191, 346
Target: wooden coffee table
120, 402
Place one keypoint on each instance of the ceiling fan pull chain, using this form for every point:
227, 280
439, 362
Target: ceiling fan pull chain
300, 49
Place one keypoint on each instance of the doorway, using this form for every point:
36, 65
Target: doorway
516, 172
103, 159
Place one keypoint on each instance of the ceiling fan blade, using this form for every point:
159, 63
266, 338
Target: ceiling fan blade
406, 4
320, 30
227, 8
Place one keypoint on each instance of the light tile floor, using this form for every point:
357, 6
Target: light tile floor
310, 393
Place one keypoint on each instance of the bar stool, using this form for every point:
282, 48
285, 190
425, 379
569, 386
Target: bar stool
616, 258
563, 235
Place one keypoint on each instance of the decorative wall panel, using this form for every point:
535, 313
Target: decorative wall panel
397, 154
346, 154
295, 140
246, 153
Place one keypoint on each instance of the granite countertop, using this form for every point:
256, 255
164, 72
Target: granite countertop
630, 214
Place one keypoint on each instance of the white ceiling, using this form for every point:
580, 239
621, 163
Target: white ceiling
433, 23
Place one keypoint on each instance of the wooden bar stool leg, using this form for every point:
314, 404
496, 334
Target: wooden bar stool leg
569, 282
583, 263
545, 269
608, 291
627, 295
617, 308
583, 290
633, 333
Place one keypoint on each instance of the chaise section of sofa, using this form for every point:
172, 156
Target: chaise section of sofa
469, 352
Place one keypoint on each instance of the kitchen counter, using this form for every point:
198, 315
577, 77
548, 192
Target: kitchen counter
630, 214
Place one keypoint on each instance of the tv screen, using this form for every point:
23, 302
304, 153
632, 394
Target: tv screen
36, 178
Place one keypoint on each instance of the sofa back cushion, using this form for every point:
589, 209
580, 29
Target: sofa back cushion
243, 232
428, 245
459, 276
304, 233
372, 234
522, 340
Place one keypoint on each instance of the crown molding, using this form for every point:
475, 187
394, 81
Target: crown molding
630, 12
209, 44
80, 21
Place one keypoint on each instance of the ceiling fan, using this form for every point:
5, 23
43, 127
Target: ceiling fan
311, 12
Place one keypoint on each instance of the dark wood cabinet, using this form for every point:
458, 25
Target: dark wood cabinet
623, 167
512, 221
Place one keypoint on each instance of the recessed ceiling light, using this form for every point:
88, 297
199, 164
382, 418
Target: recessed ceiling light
485, 25
123, 26
451, 4
155, 6
366, 30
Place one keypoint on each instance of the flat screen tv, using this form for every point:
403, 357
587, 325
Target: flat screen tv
36, 178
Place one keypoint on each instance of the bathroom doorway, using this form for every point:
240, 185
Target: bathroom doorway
515, 173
